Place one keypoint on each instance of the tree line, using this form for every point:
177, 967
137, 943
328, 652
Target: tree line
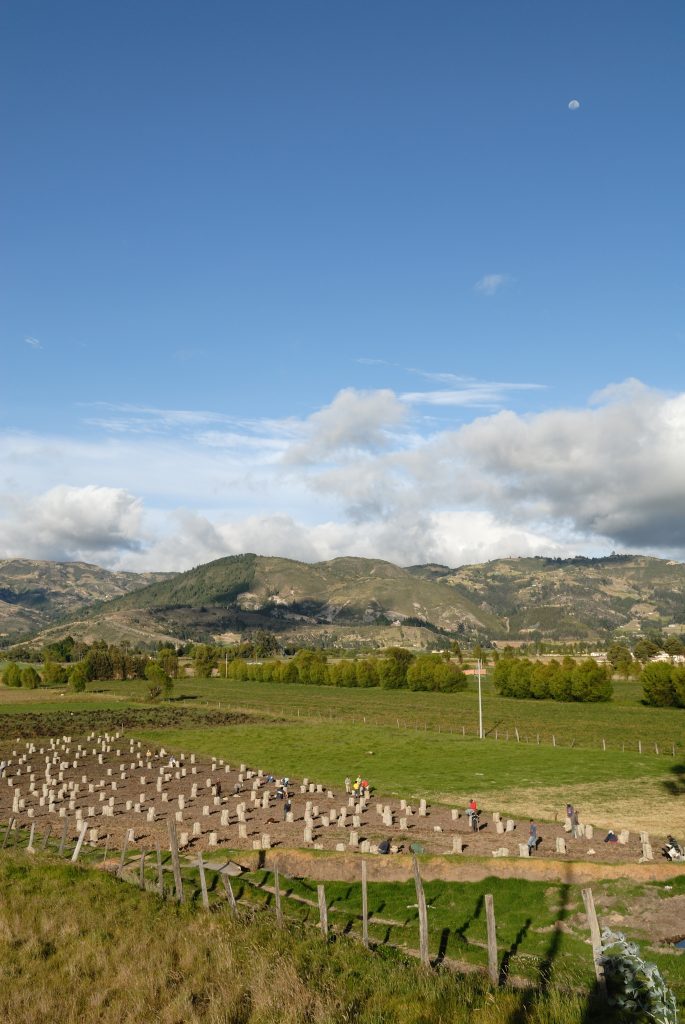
96, 661
397, 669
568, 680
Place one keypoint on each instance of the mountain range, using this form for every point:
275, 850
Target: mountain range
345, 601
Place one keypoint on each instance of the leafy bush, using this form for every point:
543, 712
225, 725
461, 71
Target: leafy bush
635, 986
159, 681
11, 675
663, 685
78, 677
30, 678
54, 674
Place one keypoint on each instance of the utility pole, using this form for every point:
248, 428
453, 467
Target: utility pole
480, 702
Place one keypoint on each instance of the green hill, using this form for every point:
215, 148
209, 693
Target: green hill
573, 598
348, 601
241, 592
35, 594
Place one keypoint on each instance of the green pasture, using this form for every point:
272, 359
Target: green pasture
78, 945
621, 723
407, 763
541, 927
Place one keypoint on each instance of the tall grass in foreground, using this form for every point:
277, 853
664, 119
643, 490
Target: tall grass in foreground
78, 946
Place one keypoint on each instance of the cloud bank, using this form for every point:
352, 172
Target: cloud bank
366, 474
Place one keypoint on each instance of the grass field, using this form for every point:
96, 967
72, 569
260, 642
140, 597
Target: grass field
128, 956
622, 722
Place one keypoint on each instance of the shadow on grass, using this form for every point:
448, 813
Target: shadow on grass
477, 911
513, 949
676, 785
595, 1009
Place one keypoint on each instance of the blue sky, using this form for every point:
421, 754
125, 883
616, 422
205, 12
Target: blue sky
315, 278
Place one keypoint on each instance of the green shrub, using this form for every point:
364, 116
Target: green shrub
635, 986
54, 674
663, 685
30, 679
11, 675
78, 677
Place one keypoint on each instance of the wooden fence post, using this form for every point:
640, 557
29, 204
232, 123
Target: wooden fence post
323, 910
365, 907
160, 871
175, 860
31, 835
595, 938
10, 823
63, 840
277, 897
493, 969
203, 880
141, 873
423, 914
122, 859
229, 892
45, 839
79, 842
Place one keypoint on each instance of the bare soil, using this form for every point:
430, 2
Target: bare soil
129, 774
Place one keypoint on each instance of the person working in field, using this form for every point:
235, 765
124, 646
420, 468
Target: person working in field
473, 815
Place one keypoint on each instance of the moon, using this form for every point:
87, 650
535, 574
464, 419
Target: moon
574, 105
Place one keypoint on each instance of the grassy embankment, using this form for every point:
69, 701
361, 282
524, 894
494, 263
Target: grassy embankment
76, 945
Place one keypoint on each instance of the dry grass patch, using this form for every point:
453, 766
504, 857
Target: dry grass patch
641, 805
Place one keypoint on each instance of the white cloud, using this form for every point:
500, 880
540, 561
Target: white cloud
490, 283
477, 393
354, 421
32, 342
79, 523
357, 476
